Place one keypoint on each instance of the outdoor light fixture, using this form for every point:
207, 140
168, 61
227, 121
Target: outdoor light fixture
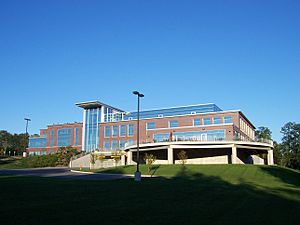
27, 120
137, 174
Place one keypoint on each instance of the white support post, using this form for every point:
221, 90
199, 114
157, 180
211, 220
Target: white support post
170, 156
270, 157
234, 155
123, 160
129, 158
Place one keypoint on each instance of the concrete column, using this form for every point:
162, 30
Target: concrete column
123, 160
170, 156
234, 155
129, 158
270, 158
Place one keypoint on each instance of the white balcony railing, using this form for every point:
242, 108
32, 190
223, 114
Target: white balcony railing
196, 139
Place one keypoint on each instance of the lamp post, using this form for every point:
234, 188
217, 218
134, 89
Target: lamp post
27, 120
137, 174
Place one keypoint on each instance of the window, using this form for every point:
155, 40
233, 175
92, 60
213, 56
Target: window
217, 120
161, 137
123, 131
64, 137
150, 125
130, 130
210, 135
114, 145
206, 121
38, 142
197, 122
106, 145
173, 123
122, 144
44, 153
107, 131
115, 131
227, 119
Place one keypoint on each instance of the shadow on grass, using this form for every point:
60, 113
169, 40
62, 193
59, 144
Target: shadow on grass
153, 170
291, 177
183, 172
8, 160
114, 170
189, 198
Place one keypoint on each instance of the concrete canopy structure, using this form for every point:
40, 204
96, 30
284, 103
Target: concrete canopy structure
211, 152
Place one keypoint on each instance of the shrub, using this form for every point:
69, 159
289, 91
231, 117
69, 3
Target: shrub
38, 161
64, 155
182, 157
149, 159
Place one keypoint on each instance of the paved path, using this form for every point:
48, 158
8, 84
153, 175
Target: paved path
64, 173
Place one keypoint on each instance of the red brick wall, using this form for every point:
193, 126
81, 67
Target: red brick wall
185, 124
55, 128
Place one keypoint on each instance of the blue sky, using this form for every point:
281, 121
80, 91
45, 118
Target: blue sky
238, 54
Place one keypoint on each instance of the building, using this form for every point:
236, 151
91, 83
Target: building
207, 133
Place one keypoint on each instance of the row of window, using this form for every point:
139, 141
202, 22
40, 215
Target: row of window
115, 144
120, 131
116, 130
247, 129
63, 139
196, 122
32, 153
210, 135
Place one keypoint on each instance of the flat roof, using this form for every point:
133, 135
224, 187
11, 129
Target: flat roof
178, 107
95, 104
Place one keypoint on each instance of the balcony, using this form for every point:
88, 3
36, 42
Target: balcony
201, 139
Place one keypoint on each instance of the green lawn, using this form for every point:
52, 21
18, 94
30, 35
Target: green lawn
223, 194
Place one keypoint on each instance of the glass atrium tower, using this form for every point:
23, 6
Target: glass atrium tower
95, 113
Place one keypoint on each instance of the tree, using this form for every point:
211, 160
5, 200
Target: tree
93, 158
15, 143
277, 153
290, 145
149, 159
263, 133
182, 157
5, 141
64, 155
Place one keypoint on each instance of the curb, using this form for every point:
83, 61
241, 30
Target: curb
111, 174
76, 171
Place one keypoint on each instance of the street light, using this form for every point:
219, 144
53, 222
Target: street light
137, 174
27, 120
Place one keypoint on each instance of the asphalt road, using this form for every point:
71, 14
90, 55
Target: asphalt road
63, 173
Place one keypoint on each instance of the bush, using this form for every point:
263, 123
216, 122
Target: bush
39, 161
64, 155
182, 157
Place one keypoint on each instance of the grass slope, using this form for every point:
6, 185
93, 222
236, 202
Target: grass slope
223, 194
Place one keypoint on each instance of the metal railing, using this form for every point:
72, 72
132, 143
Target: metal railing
196, 139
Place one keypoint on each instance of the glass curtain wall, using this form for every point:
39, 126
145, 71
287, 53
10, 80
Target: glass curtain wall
92, 126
